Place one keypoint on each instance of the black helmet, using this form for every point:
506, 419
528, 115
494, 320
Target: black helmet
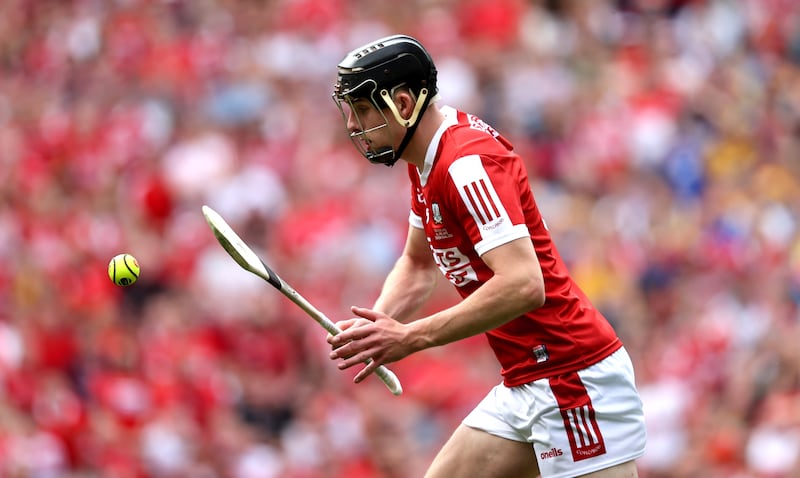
373, 71
384, 64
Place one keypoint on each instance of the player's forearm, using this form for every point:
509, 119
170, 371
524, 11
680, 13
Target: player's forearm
405, 289
497, 302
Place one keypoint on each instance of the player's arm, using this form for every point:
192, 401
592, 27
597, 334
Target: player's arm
516, 287
411, 280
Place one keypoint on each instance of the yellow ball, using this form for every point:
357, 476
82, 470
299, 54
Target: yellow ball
123, 269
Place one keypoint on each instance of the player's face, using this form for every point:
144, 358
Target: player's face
368, 124
372, 133
370, 130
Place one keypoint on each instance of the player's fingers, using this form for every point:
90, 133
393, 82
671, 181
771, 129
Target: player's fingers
352, 355
341, 325
368, 314
341, 351
366, 371
349, 348
346, 324
355, 329
336, 346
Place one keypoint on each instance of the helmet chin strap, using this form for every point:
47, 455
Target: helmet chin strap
410, 124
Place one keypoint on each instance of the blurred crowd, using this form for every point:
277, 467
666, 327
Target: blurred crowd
663, 141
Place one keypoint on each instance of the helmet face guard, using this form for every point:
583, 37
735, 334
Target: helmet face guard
360, 138
386, 154
374, 72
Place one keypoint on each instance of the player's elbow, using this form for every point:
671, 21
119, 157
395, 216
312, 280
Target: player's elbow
525, 291
533, 293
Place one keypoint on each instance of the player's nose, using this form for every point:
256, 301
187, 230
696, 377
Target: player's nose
352, 123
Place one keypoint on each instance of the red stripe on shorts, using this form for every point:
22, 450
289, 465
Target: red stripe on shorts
580, 423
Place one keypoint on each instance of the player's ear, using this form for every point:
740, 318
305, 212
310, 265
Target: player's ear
405, 103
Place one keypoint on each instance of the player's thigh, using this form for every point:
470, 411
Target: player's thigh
623, 470
471, 453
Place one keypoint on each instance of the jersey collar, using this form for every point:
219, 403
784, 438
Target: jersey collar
450, 119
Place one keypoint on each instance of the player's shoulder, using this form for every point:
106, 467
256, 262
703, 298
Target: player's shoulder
468, 123
469, 134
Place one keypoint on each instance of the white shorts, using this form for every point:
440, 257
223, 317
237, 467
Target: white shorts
578, 423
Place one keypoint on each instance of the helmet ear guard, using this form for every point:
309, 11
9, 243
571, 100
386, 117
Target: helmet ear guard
422, 100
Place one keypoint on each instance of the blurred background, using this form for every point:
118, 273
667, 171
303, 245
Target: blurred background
663, 141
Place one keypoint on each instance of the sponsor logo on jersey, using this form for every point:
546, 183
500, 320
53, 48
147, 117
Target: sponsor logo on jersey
454, 265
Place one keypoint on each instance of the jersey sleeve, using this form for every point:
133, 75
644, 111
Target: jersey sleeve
486, 199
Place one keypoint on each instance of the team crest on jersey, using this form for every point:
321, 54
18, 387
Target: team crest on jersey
440, 232
437, 213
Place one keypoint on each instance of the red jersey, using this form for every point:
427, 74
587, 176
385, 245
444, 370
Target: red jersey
472, 196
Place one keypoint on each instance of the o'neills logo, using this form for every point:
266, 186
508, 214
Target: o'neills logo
554, 452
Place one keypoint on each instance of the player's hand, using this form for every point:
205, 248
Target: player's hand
372, 335
343, 325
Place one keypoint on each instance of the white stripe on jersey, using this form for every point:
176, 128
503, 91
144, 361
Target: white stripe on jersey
477, 191
481, 200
